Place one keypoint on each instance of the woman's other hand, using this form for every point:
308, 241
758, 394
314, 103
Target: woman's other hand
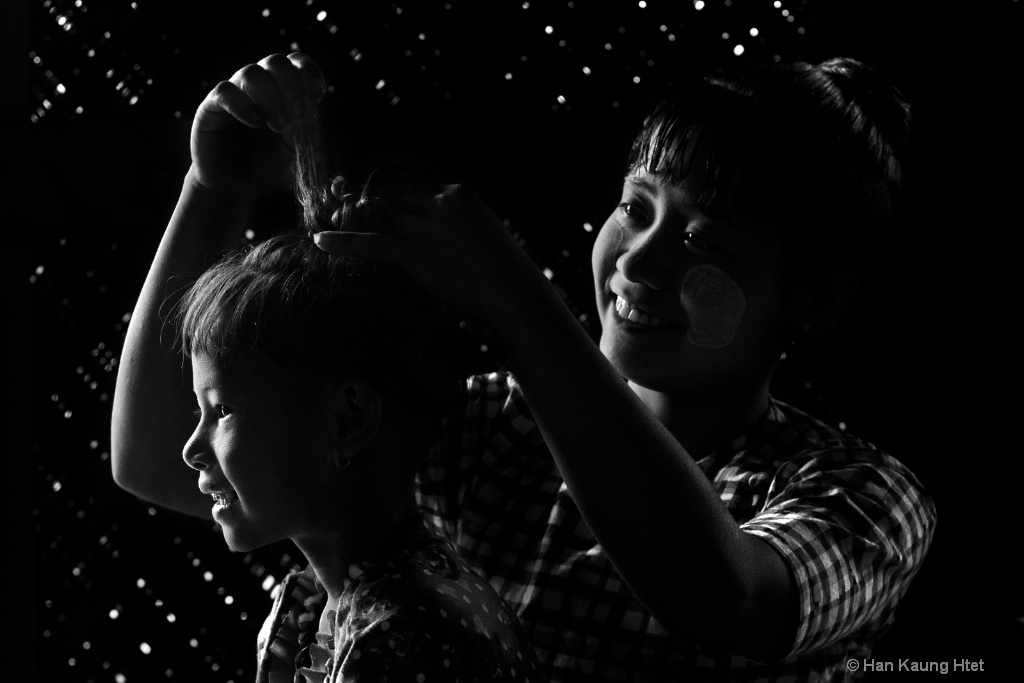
451, 242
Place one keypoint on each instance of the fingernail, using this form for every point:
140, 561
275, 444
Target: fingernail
337, 186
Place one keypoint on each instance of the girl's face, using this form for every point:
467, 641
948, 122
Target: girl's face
688, 302
263, 448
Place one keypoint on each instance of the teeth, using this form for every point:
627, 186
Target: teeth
637, 315
223, 498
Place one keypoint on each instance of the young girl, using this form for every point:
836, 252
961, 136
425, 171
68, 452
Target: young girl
301, 367
300, 363
680, 524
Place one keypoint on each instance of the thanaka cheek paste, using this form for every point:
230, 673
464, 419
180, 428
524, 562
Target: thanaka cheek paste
714, 306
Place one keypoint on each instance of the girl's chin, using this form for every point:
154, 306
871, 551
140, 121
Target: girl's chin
242, 537
242, 543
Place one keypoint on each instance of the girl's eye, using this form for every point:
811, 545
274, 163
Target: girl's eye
221, 412
696, 239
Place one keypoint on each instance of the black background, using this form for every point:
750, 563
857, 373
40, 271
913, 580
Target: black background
86, 196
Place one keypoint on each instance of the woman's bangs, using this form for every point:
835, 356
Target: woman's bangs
719, 158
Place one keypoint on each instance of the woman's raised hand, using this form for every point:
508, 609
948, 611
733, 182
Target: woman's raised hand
243, 131
451, 242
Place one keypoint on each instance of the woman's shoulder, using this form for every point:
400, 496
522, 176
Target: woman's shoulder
812, 438
791, 448
807, 451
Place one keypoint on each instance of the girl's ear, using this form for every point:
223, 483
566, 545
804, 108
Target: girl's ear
357, 411
819, 310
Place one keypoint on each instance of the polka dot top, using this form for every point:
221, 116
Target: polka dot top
422, 615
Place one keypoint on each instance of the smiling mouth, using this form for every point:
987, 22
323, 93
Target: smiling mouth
223, 498
637, 316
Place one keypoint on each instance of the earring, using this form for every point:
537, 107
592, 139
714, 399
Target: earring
801, 336
341, 463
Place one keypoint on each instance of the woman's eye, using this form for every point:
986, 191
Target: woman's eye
631, 211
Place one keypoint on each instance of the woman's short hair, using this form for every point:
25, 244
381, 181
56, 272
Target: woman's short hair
812, 151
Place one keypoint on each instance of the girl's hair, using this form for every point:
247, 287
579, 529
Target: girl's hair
813, 151
330, 317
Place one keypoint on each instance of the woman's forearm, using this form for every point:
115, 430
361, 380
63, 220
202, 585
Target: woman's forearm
646, 500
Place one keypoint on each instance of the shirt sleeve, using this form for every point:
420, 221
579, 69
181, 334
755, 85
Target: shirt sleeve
452, 461
854, 526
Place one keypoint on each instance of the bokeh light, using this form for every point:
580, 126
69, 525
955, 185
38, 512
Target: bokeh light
126, 591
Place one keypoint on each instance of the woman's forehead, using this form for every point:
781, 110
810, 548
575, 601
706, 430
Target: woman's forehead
654, 181
688, 191
724, 208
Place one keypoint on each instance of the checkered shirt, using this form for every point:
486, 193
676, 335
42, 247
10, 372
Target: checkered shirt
852, 523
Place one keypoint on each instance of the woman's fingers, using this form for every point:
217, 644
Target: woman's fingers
309, 71
338, 188
422, 200
227, 99
278, 88
258, 84
363, 245
288, 80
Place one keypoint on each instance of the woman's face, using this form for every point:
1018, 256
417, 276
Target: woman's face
263, 448
687, 301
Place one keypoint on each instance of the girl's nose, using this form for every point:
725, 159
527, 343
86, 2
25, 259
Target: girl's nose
196, 451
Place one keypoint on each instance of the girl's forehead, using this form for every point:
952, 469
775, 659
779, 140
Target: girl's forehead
221, 372
251, 372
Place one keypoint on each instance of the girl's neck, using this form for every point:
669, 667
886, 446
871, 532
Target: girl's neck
706, 422
369, 535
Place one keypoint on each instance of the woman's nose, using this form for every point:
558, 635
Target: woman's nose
646, 257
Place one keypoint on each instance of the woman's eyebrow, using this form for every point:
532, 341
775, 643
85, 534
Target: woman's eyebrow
642, 183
